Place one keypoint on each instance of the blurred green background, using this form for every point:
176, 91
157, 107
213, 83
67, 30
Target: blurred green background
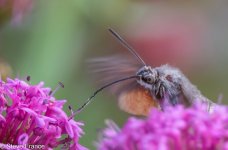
51, 41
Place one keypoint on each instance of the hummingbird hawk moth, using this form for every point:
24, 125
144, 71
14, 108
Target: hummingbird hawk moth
141, 86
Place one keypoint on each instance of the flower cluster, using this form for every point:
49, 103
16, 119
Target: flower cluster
30, 115
177, 128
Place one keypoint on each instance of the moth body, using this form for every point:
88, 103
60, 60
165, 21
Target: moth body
168, 83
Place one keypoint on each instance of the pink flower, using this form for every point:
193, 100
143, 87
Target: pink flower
20, 9
29, 114
15, 10
177, 128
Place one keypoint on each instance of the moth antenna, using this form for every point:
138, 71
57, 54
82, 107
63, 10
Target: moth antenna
125, 44
96, 92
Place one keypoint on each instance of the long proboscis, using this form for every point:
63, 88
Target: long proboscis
97, 91
125, 44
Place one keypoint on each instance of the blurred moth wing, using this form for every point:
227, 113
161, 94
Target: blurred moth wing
111, 68
132, 98
137, 101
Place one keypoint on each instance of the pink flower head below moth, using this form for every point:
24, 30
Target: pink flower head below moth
178, 128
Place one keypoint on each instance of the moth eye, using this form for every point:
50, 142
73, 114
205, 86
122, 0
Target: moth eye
150, 79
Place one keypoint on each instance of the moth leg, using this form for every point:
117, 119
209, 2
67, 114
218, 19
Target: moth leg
162, 91
174, 100
156, 88
159, 90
